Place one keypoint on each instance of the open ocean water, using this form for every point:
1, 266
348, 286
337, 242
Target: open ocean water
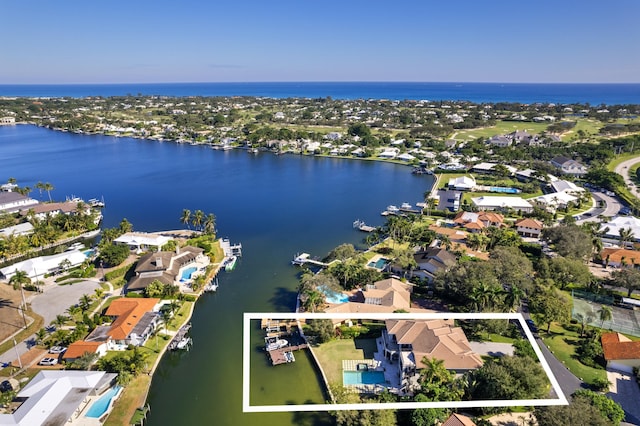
561, 93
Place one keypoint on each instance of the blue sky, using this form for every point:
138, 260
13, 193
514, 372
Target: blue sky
130, 41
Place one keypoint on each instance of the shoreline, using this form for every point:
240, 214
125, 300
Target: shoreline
187, 318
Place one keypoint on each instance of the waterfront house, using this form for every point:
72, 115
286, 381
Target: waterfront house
141, 241
408, 342
42, 210
55, 397
620, 352
502, 203
167, 267
568, 166
12, 202
15, 230
462, 183
133, 321
529, 228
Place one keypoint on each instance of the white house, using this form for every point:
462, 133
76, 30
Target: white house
38, 266
20, 229
555, 199
529, 228
55, 397
568, 166
140, 241
406, 157
462, 183
12, 201
612, 228
494, 202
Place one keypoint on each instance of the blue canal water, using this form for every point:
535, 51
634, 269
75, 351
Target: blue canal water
594, 94
275, 206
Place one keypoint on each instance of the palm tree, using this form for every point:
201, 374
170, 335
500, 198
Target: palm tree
186, 217
85, 302
210, 224
198, 216
605, 314
48, 187
60, 320
445, 241
626, 235
514, 297
40, 336
39, 186
19, 279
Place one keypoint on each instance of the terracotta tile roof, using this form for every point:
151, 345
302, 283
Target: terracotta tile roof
529, 223
617, 346
128, 312
491, 217
435, 339
79, 348
474, 225
616, 255
458, 420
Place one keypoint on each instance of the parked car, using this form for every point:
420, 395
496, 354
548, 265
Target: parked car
532, 325
48, 361
57, 349
6, 386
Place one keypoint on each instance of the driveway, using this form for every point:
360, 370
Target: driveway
492, 349
623, 170
625, 391
55, 299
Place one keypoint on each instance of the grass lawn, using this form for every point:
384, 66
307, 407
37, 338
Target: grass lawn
501, 128
331, 354
132, 398
178, 320
562, 343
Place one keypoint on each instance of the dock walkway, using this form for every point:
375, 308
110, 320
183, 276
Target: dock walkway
182, 332
278, 356
304, 258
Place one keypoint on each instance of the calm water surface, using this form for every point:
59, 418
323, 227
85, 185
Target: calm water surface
274, 205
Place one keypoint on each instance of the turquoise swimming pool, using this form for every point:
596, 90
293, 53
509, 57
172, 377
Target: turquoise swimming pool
363, 378
333, 296
102, 404
378, 264
186, 274
504, 190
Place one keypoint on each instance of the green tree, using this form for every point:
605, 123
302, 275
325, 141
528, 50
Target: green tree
569, 240
342, 253
125, 226
186, 218
322, 329
510, 377
605, 314
628, 278
210, 224
198, 217
579, 412
551, 305
566, 271
154, 289
609, 409
48, 187
114, 254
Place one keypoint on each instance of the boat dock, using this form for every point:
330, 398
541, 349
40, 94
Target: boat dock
277, 327
305, 258
360, 225
179, 336
230, 249
284, 355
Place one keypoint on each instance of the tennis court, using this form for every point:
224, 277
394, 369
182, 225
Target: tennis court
588, 306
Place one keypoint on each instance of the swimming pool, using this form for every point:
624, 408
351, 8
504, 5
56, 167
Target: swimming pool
186, 274
333, 297
102, 404
504, 190
363, 378
89, 253
378, 264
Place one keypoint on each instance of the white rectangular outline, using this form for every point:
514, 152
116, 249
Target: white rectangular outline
246, 357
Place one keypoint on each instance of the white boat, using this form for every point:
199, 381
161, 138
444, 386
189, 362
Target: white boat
230, 263
406, 206
94, 202
289, 357
184, 343
212, 286
273, 343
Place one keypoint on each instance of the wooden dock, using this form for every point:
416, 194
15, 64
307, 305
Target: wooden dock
278, 326
360, 225
278, 356
304, 258
173, 345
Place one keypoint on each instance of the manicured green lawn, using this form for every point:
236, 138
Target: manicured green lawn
562, 343
331, 354
501, 128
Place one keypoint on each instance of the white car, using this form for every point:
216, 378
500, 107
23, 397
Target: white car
57, 349
48, 361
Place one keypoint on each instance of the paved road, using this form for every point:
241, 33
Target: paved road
611, 208
623, 170
624, 390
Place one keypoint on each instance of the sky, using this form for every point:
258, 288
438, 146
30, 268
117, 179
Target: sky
141, 41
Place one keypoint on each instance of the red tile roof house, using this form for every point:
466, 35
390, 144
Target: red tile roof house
529, 228
621, 353
407, 342
81, 347
134, 320
458, 420
617, 257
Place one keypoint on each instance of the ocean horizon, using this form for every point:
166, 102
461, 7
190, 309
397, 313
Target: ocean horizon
560, 93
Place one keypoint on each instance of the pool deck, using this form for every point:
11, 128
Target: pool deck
79, 419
